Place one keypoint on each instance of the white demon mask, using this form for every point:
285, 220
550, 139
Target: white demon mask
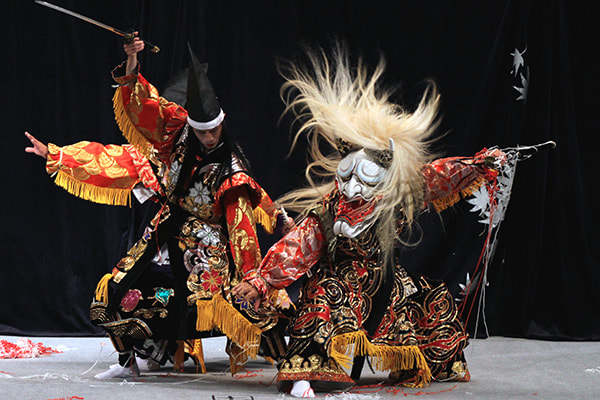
357, 177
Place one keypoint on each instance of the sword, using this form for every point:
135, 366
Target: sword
128, 36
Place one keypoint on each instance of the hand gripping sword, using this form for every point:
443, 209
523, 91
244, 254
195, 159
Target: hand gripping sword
128, 36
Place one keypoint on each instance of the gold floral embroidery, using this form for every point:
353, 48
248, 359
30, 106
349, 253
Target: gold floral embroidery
147, 313
133, 255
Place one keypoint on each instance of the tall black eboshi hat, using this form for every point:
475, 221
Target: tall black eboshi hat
202, 105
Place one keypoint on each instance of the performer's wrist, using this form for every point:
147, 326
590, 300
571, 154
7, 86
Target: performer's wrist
260, 284
122, 76
54, 159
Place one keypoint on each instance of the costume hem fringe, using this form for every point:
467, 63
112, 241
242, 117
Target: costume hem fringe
267, 222
218, 313
448, 201
383, 357
86, 191
179, 357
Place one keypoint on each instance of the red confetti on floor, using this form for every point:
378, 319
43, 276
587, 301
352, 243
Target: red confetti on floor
24, 348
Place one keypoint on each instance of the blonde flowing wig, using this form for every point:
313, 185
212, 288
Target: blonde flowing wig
332, 99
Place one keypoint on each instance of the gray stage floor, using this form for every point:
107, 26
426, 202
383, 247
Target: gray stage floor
501, 368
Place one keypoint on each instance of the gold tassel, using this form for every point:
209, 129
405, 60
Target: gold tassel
179, 357
101, 293
384, 357
130, 132
86, 191
267, 222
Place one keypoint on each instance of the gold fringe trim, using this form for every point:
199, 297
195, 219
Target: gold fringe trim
446, 202
197, 352
218, 313
383, 357
205, 312
237, 358
267, 222
101, 293
86, 191
130, 132
179, 357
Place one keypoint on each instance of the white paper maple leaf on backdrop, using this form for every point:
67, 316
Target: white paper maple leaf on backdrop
518, 65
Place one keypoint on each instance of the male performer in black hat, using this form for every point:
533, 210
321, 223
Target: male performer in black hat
173, 286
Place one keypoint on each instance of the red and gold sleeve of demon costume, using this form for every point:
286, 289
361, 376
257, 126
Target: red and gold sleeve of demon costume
100, 173
290, 257
447, 180
149, 122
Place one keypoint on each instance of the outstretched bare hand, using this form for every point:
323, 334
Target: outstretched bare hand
38, 147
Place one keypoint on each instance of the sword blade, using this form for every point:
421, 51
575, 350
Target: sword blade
81, 17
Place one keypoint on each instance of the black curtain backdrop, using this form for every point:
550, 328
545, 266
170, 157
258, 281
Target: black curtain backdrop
544, 279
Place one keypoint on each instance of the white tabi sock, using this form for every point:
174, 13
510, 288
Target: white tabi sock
118, 371
302, 389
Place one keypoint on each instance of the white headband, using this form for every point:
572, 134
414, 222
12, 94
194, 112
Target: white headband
204, 126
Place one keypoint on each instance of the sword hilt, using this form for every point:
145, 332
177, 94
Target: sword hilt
129, 35
153, 48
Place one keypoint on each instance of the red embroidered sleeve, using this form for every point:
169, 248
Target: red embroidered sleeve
264, 210
290, 257
447, 178
243, 239
109, 166
142, 114
144, 169
254, 190
92, 171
